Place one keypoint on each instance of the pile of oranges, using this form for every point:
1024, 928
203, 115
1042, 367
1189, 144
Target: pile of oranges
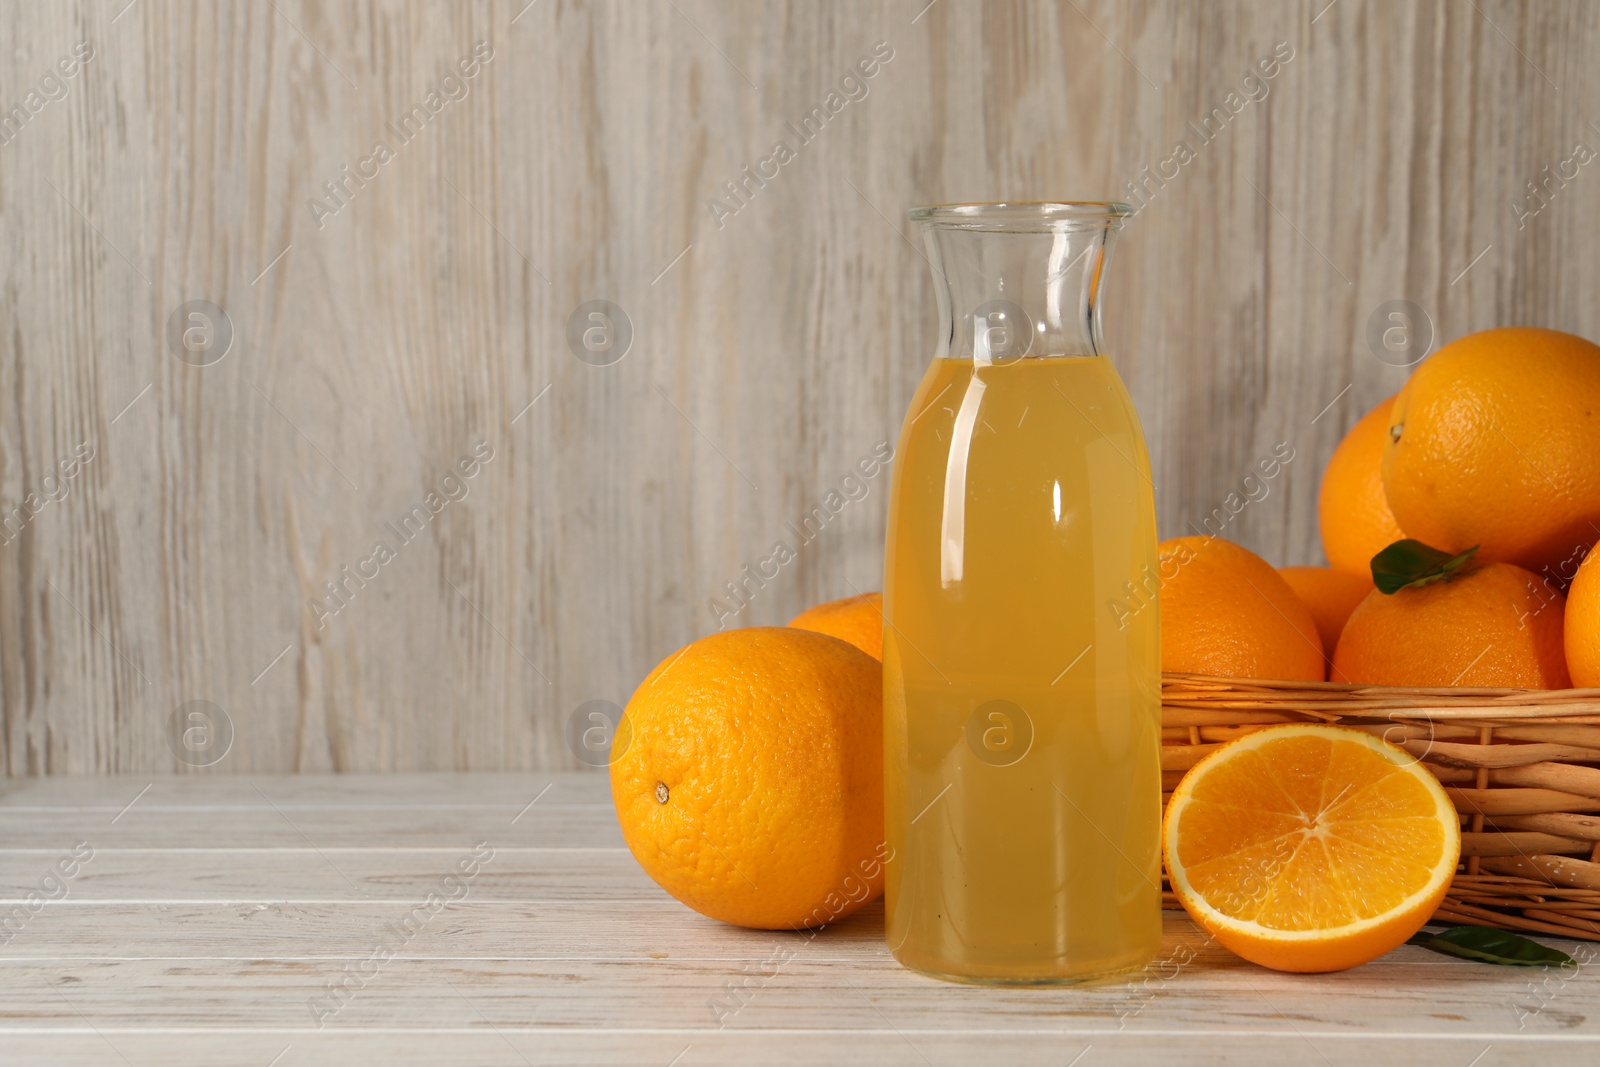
1473, 494
1458, 518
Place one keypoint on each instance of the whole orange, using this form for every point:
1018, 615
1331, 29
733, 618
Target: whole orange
1225, 611
1352, 511
1495, 441
1490, 625
751, 785
857, 619
1329, 595
1583, 623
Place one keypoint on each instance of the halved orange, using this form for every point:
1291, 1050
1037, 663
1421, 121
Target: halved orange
1310, 848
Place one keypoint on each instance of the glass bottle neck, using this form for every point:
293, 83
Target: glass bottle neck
1007, 294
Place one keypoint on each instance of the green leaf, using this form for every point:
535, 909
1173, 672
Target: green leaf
1412, 563
1491, 946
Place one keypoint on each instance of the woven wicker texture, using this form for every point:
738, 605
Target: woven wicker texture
1522, 767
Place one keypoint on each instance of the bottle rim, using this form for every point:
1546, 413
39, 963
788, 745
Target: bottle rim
1023, 216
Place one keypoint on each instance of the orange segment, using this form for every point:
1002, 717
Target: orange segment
1300, 766
1308, 887
1310, 848
1248, 783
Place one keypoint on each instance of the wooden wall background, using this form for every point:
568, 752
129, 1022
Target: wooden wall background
372, 351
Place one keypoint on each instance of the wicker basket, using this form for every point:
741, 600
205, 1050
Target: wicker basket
1521, 765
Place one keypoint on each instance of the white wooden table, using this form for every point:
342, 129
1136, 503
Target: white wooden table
215, 914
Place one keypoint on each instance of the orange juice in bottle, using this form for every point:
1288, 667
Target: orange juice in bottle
1021, 646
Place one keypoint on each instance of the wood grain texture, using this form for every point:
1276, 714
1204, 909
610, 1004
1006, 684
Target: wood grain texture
772, 347
195, 932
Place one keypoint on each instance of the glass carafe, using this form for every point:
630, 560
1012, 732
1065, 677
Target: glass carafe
1021, 656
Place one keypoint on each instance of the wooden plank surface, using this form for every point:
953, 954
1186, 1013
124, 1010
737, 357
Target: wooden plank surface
376, 344
199, 935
